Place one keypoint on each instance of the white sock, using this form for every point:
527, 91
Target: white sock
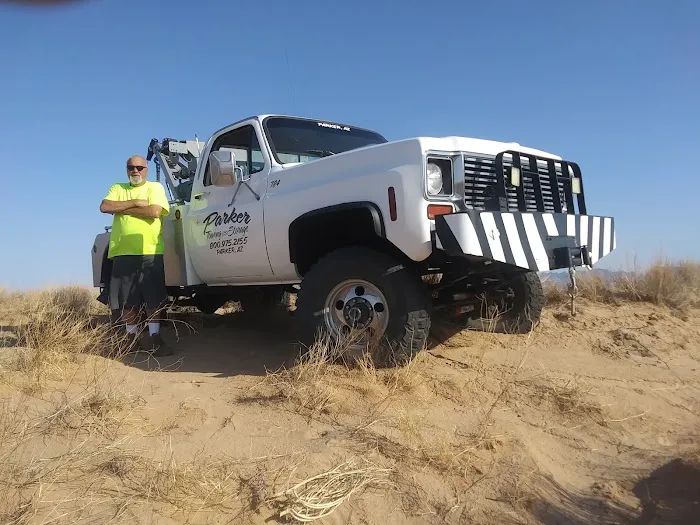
153, 328
130, 328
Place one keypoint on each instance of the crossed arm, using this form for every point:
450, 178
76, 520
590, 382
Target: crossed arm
137, 208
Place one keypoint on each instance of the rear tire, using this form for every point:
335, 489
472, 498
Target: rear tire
209, 304
407, 322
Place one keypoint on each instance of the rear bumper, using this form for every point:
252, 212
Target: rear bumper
535, 241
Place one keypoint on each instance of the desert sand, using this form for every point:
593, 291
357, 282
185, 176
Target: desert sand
588, 419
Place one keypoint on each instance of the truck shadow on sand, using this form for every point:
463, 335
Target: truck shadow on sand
223, 344
669, 495
238, 343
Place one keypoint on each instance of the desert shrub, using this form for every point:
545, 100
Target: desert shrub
51, 328
56, 326
675, 285
73, 300
672, 284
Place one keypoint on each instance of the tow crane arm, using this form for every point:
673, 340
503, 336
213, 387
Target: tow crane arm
179, 160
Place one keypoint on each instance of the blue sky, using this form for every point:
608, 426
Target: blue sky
611, 85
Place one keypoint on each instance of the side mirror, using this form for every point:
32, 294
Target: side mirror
221, 168
224, 171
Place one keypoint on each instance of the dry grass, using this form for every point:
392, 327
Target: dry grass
675, 285
95, 478
321, 379
70, 465
517, 489
64, 408
73, 301
403, 379
51, 331
200, 483
320, 495
569, 396
99, 410
308, 386
465, 453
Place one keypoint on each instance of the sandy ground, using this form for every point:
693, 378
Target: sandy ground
593, 419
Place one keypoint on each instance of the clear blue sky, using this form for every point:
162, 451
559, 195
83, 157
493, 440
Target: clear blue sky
612, 85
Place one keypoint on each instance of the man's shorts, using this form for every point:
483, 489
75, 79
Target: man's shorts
137, 281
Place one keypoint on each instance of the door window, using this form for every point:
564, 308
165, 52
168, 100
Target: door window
244, 144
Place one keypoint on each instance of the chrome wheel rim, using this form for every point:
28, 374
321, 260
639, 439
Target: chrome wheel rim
357, 309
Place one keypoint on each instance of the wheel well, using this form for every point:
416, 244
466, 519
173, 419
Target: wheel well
316, 233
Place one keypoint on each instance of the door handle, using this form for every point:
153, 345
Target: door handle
199, 196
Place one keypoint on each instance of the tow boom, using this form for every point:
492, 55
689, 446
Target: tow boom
179, 160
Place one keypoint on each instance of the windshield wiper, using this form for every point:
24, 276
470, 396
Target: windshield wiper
321, 152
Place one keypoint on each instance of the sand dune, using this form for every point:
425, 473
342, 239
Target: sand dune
592, 419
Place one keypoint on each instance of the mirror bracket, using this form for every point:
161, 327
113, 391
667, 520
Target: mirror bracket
224, 163
238, 187
244, 176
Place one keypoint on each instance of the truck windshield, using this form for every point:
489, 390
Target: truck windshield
301, 140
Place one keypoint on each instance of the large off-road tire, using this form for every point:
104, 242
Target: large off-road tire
521, 313
361, 279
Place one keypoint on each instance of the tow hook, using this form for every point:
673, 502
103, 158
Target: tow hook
573, 290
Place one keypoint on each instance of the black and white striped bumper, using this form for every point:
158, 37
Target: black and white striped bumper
529, 240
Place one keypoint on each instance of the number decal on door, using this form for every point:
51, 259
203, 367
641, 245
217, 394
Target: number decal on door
275, 183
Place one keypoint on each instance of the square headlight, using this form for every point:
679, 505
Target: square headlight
438, 176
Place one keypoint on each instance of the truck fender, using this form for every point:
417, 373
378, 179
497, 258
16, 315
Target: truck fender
297, 230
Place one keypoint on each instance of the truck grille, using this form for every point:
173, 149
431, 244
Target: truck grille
482, 185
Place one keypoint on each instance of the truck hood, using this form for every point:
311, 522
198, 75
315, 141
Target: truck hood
474, 145
450, 144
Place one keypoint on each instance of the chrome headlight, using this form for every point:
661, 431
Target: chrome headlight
438, 176
434, 174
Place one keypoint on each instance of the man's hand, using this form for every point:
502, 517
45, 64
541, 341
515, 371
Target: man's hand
120, 206
152, 211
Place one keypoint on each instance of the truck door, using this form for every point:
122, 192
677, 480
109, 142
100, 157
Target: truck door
226, 235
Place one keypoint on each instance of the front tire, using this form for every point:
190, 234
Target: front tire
361, 288
517, 306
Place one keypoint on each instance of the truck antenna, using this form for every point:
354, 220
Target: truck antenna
199, 148
289, 76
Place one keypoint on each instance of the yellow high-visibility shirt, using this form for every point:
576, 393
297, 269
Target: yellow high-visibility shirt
136, 235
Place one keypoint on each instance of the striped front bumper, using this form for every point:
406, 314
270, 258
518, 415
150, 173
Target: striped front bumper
527, 240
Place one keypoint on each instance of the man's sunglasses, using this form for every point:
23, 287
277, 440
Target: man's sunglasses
129, 167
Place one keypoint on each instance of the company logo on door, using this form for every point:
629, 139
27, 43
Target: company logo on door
236, 224
216, 219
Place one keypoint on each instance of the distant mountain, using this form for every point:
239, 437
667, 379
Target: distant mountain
562, 276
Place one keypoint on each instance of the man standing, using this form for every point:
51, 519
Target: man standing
136, 249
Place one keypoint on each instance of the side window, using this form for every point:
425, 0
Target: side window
243, 142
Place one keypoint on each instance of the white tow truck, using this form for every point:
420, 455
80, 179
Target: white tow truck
373, 236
